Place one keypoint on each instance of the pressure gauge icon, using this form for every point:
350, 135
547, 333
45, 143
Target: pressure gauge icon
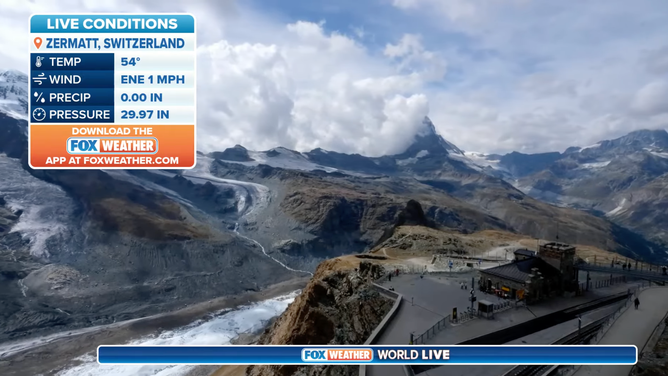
38, 114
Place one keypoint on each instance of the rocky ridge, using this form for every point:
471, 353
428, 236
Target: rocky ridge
337, 307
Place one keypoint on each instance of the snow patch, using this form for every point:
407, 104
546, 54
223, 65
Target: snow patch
594, 165
591, 146
422, 153
285, 159
660, 155
407, 161
618, 210
220, 330
467, 161
482, 160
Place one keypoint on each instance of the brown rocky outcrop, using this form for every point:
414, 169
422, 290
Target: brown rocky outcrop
338, 306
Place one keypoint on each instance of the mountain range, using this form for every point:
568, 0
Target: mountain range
85, 247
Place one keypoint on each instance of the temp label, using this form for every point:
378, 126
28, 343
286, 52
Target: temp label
112, 91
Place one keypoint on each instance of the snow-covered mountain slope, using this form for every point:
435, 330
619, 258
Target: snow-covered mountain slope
429, 154
14, 94
619, 179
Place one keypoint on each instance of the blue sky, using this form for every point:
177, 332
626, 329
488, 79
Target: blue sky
357, 76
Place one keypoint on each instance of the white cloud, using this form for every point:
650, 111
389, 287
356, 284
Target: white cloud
310, 89
652, 99
554, 74
413, 56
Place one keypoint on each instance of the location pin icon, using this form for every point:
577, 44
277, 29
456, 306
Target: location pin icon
38, 42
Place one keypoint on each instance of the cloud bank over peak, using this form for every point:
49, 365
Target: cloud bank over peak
312, 88
359, 77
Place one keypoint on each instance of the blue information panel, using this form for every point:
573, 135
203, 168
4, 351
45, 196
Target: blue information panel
112, 91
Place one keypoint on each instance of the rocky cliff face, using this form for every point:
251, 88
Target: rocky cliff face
337, 307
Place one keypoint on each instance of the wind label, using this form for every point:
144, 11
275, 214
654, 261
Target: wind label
112, 91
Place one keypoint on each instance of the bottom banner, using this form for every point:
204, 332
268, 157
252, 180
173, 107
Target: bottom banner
357, 355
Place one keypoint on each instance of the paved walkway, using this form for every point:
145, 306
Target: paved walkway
429, 299
514, 316
632, 327
426, 301
544, 337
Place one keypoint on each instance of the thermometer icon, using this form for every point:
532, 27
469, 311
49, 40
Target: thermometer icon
38, 61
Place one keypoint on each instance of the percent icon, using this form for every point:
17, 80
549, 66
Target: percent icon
39, 98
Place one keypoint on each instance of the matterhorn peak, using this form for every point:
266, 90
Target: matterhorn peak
428, 129
428, 141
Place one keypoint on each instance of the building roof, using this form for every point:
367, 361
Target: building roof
525, 252
519, 271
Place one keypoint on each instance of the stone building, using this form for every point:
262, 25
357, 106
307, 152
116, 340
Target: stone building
562, 257
528, 279
533, 276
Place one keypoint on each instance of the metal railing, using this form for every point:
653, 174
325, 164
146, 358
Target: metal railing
603, 282
570, 370
403, 269
462, 317
465, 316
500, 307
647, 272
633, 266
431, 332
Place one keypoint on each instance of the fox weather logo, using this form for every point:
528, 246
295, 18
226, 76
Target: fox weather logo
314, 355
80, 145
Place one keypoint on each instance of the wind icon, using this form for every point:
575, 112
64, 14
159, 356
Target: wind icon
38, 80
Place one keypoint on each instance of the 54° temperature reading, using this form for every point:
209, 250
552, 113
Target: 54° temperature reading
125, 61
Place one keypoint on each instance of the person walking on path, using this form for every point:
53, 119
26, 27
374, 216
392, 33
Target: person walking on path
636, 302
389, 277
